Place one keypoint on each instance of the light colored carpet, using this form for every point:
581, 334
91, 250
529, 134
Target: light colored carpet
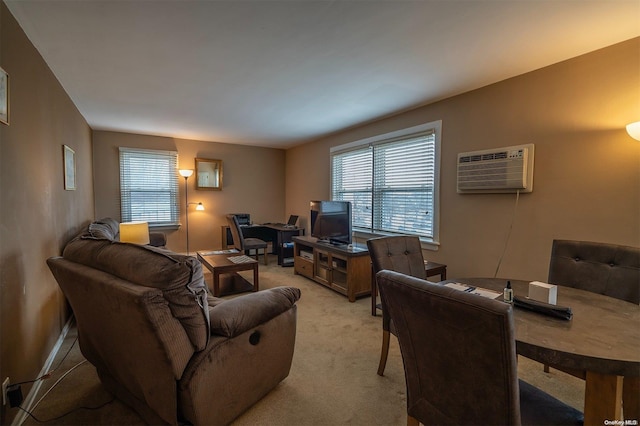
333, 378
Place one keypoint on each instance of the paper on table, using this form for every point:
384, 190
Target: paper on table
484, 292
209, 253
241, 259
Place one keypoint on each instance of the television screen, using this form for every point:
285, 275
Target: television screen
331, 221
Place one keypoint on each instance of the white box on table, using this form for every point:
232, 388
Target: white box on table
543, 292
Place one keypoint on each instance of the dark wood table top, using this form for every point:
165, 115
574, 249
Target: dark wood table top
217, 260
225, 278
603, 336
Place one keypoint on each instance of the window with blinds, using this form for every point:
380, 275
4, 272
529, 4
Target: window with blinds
149, 186
391, 181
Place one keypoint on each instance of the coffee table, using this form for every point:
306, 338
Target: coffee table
225, 267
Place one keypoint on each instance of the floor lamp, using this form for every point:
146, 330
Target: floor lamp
186, 173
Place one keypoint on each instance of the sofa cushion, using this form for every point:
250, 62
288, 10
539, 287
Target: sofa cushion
104, 228
179, 277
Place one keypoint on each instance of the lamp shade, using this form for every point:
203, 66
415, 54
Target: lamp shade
634, 130
185, 172
200, 207
134, 232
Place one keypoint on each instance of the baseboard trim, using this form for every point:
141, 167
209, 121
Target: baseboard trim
30, 399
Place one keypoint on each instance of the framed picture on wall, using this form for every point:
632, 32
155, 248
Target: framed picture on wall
4, 97
69, 169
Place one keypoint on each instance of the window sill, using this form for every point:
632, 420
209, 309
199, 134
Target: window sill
426, 243
164, 227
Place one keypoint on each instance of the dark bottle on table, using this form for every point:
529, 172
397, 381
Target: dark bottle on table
508, 293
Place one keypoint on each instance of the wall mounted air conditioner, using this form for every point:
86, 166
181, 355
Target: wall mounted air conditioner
498, 170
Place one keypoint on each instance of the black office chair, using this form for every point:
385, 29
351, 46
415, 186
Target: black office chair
459, 356
245, 244
401, 254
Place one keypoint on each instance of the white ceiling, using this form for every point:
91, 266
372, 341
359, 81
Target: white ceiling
278, 73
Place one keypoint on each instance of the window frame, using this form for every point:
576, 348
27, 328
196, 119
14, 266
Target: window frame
398, 135
172, 188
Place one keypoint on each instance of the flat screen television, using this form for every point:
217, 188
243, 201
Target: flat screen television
331, 221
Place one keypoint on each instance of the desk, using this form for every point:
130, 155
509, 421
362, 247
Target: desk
225, 278
431, 268
274, 233
602, 338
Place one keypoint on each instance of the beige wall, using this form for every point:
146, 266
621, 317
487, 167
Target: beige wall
37, 215
253, 183
587, 169
586, 184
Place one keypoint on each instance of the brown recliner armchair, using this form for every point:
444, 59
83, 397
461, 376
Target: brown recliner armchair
401, 254
459, 356
609, 269
162, 344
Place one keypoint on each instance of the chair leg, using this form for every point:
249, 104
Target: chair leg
265, 255
546, 368
384, 352
631, 398
412, 421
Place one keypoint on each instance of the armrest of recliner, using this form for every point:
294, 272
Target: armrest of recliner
233, 317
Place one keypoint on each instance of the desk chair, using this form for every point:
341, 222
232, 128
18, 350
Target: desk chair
245, 244
608, 269
459, 356
401, 254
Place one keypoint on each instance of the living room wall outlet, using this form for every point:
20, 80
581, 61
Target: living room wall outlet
5, 385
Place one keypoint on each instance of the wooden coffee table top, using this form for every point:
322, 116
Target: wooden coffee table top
224, 267
224, 260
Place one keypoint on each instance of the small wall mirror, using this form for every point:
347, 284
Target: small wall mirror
208, 174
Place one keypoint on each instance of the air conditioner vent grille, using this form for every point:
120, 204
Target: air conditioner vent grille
501, 170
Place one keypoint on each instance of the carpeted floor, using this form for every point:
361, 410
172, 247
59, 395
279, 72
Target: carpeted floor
333, 378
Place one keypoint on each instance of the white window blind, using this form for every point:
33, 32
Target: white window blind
149, 186
391, 183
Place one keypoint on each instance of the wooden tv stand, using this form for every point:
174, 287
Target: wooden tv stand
347, 271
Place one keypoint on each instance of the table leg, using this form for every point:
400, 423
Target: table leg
216, 282
374, 292
255, 278
631, 398
602, 398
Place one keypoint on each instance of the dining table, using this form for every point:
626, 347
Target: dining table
602, 339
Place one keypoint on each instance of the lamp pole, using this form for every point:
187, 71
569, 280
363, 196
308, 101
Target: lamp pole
186, 173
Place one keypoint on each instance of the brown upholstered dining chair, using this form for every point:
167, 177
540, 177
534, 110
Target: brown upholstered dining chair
609, 269
245, 244
401, 254
459, 356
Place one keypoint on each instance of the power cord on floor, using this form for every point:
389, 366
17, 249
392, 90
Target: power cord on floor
66, 354
14, 391
58, 381
50, 389
67, 413
50, 372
